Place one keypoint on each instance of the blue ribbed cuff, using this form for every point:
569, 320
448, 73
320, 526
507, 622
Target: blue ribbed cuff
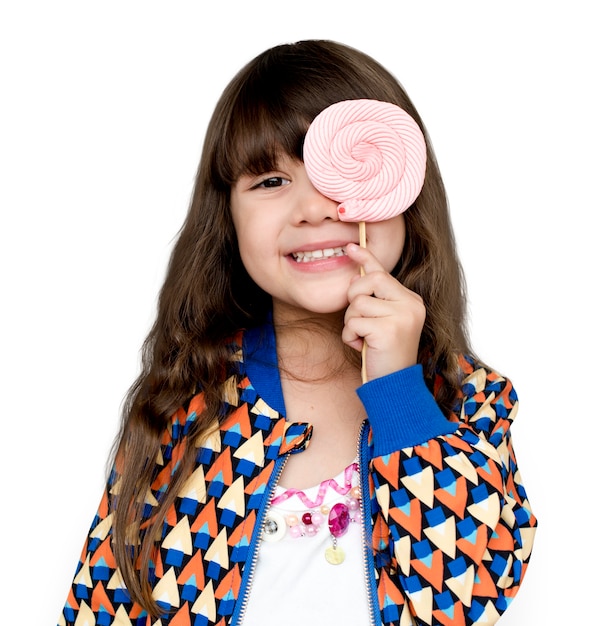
402, 411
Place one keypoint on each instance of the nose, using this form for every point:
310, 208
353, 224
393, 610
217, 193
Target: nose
312, 206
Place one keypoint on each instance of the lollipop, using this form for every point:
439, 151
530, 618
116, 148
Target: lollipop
369, 156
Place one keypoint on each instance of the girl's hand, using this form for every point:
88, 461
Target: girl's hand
384, 313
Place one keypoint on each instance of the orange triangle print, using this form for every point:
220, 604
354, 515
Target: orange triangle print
411, 522
474, 549
100, 599
206, 516
457, 619
197, 404
194, 567
171, 516
158, 565
182, 617
243, 530
133, 613
484, 586
431, 452
501, 539
72, 601
163, 479
259, 480
103, 551
491, 473
457, 501
241, 418
231, 581
387, 588
433, 571
222, 465
390, 470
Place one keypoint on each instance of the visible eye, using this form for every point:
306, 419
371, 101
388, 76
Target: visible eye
271, 182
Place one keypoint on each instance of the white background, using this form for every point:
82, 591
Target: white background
103, 109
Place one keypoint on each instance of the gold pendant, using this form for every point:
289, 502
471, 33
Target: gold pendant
335, 555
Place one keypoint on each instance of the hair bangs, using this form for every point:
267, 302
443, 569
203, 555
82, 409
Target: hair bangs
272, 101
259, 133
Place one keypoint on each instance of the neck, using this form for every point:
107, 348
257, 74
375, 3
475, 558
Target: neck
310, 348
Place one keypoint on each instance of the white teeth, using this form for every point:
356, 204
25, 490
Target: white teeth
310, 255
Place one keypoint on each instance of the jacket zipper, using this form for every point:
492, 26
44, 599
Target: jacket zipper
371, 591
251, 561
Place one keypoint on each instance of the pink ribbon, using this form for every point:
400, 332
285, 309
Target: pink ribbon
369, 156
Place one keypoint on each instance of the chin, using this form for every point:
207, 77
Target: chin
329, 309
318, 310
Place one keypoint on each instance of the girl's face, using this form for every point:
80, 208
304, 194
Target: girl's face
291, 240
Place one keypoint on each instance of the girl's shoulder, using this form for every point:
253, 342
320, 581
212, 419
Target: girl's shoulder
182, 419
486, 399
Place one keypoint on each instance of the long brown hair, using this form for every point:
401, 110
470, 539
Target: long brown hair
207, 295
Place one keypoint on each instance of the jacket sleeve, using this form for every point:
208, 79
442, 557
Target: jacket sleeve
98, 594
460, 528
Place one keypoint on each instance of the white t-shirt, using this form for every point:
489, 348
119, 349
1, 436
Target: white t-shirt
293, 582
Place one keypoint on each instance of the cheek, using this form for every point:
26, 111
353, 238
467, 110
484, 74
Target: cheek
386, 240
241, 228
253, 248
248, 251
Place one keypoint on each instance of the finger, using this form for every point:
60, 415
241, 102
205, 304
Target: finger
364, 258
378, 284
363, 305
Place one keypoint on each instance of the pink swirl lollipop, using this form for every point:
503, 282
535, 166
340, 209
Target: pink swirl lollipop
369, 156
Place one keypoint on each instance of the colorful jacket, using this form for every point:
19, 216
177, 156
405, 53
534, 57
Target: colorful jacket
449, 525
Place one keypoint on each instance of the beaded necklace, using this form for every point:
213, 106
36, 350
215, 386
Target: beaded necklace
279, 524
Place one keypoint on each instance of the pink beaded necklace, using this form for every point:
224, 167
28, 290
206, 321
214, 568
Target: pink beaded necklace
338, 517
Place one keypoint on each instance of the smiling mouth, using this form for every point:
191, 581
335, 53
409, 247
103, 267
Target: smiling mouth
315, 255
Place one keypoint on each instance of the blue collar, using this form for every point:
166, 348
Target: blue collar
260, 359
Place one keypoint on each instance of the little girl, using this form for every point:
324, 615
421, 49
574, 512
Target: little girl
255, 480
